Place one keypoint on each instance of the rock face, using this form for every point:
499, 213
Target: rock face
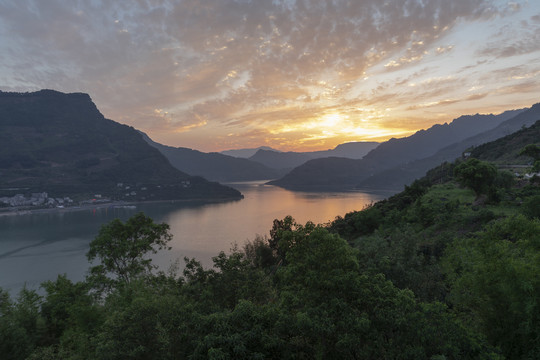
61, 143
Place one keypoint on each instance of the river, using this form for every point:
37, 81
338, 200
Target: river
37, 247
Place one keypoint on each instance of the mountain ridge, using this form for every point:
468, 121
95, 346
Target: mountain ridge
60, 143
397, 177
292, 159
214, 166
392, 153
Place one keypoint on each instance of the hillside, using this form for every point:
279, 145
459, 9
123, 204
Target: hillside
215, 166
429, 273
479, 257
61, 144
245, 153
505, 151
392, 153
351, 150
280, 160
292, 159
397, 177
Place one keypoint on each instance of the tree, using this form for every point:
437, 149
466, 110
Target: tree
533, 151
496, 279
476, 175
21, 325
69, 311
531, 207
336, 312
122, 248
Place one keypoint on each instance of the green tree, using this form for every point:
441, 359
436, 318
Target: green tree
123, 248
335, 312
71, 315
285, 234
531, 150
496, 279
476, 175
531, 207
21, 325
143, 323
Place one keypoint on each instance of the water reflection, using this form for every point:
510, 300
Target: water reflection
37, 247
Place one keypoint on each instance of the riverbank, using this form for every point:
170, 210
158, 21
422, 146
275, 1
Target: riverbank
113, 204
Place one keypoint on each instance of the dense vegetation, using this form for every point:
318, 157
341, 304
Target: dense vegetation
447, 269
429, 275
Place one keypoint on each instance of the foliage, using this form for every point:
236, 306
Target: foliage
123, 248
20, 324
531, 207
531, 150
496, 278
425, 274
476, 175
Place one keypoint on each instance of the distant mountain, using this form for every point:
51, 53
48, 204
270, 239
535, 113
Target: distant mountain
215, 166
396, 177
61, 144
317, 174
280, 160
290, 159
425, 143
245, 153
350, 150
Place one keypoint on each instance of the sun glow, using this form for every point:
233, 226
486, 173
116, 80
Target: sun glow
330, 120
332, 128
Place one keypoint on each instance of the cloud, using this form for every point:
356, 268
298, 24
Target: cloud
515, 39
239, 66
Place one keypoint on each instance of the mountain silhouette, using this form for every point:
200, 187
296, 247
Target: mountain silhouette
215, 166
61, 144
341, 174
396, 177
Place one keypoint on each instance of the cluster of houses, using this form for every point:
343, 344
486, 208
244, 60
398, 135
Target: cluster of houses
42, 199
36, 199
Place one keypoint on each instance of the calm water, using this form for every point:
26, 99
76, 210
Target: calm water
38, 247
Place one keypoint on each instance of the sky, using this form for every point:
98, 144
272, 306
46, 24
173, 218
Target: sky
296, 75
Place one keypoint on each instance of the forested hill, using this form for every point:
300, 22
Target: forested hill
61, 144
315, 174
507, 150
404, 174
447, 269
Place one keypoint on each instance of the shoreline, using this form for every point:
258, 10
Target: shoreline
30, 211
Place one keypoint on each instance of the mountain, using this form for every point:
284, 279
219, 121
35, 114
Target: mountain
215, 166
291, 159
245, 153
350, 150
280, 160
425, 143
61, 144
321, 175
506, 150
396, 177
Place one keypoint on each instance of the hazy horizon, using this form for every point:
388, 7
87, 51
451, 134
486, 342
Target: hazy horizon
292, 75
